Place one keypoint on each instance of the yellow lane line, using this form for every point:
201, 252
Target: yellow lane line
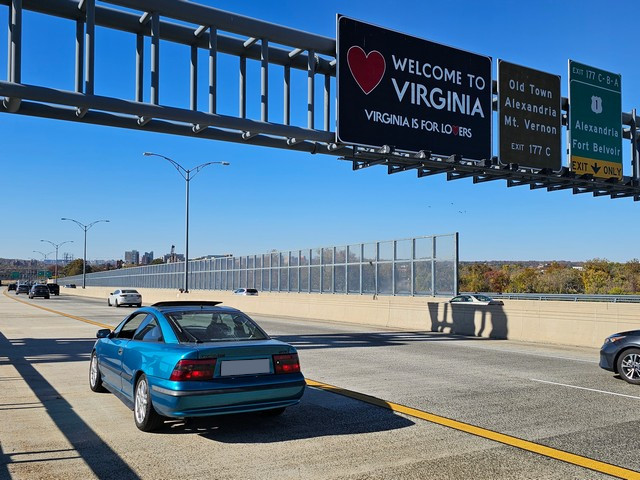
550, 452
526, 445
80, 319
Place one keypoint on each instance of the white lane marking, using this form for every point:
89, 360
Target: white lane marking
535, 354
584, 388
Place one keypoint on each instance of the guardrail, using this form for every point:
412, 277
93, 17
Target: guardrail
564, 297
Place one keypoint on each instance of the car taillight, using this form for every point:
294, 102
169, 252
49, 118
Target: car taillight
193, 370
286, 363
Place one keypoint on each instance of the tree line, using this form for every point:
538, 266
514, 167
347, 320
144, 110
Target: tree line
596, 276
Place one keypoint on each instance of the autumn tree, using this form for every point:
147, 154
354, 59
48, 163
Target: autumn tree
75, 268
596, 276
525, 281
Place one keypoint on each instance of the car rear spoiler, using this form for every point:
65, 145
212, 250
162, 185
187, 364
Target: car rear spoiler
186, 303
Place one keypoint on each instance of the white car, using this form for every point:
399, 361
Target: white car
475, 299
245, 291
125, 297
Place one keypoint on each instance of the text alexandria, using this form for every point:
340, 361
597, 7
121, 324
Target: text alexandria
586, 127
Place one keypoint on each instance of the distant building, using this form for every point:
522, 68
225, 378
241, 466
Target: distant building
147, 258
132, 257
174, 257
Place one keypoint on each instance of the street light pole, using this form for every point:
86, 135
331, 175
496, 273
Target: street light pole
186, 235
84, 258
44, 255
56, 246
186, 174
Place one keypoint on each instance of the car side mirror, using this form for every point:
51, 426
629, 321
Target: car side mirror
103, 333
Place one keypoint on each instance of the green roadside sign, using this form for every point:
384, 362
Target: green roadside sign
595, 121
15, 275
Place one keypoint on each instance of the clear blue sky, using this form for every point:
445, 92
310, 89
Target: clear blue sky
277, 199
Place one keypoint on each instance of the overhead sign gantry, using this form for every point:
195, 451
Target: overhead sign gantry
404, 102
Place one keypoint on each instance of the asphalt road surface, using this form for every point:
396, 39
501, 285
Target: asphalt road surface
428, 406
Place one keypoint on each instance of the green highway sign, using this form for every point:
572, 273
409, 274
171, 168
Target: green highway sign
595, 121
15, 275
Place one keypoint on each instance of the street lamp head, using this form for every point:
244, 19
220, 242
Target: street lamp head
147, 154
225, 163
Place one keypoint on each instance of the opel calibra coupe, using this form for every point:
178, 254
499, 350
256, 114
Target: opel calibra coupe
189, 359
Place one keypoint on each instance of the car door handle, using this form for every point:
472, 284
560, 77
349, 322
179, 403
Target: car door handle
120, 351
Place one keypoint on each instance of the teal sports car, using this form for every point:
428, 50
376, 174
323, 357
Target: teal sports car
190, 359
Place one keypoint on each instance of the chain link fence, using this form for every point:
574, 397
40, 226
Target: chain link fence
412, 266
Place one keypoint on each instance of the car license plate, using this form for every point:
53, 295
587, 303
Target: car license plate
245, 367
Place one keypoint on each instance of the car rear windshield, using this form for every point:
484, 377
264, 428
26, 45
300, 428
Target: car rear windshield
483, 298
129, 291
211, 326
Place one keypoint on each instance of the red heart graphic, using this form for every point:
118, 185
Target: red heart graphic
367, 68
455, 130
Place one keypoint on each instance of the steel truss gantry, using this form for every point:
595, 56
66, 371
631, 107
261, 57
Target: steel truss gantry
201, 28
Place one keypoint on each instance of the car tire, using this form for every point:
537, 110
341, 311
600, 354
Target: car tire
108, 301
629, 365
117, 304
145, 416
138, 305
95, 378
273, 412
47, 297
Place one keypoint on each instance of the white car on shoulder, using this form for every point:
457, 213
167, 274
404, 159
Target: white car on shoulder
245, 291
125, 297
475, 299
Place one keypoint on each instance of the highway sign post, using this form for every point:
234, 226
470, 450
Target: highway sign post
529, 117
595, 121
411, 94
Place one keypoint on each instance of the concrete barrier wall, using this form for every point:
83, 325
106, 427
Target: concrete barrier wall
567, 323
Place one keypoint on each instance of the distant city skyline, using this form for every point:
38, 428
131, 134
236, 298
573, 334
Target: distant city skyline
275, 199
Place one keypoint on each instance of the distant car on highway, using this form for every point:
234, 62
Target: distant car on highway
22, 288
245, 291
125, 297
54, 288
185, 359
11, 287
39, 290
620, 354
475, 299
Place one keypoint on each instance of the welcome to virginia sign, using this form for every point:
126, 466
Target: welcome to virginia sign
411, 94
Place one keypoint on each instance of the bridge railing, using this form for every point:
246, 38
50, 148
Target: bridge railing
561, 297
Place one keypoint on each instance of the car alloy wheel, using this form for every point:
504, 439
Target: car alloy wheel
145, 416
629, 365
95, 379
142, 399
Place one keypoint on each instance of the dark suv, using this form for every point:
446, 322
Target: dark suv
54, 288
39, 290
12, 286
23, 288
